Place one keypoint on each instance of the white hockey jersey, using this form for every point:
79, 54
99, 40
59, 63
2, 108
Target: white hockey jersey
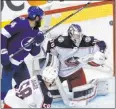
68, 53
32, 93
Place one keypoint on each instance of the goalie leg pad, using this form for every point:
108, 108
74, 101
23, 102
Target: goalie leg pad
89, 91
85, 92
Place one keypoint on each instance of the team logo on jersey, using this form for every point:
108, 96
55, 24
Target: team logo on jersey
60, 39
26, 43
72, 61
13, 24
46, 105
87, 39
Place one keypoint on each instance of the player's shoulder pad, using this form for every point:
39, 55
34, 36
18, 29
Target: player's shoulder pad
54, 42
60, 41
87, 39
63, 41
19, 21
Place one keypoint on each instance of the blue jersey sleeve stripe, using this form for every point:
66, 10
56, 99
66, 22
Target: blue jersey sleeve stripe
6, 33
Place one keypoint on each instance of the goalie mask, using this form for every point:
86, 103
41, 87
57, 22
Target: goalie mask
75, 33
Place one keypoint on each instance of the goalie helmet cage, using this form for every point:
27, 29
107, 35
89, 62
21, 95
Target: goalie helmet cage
58, 11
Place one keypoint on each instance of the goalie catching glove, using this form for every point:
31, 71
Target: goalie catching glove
98, 59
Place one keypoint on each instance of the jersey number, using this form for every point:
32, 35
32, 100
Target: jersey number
24, 90
46, 105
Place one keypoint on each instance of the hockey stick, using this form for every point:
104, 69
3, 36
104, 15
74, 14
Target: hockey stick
33, 39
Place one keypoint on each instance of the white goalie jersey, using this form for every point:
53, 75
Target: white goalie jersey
69, 54
32, 93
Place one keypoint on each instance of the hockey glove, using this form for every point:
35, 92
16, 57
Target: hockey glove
98, 59
39, 38
8, 68
4, 57
102, 46
36, 46
5, 61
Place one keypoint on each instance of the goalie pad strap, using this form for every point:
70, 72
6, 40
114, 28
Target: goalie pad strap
83, 93
55, 92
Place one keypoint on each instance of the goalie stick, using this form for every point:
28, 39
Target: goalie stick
33, 39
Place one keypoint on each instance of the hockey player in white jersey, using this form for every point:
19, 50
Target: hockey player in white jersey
33, 92
70, 50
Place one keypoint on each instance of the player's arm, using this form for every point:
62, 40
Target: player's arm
101, 45
9, 31
89, 41
7, 34
96, 56
51, 64
51, 47
99, 56
36, 47
93, 41
51, 57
